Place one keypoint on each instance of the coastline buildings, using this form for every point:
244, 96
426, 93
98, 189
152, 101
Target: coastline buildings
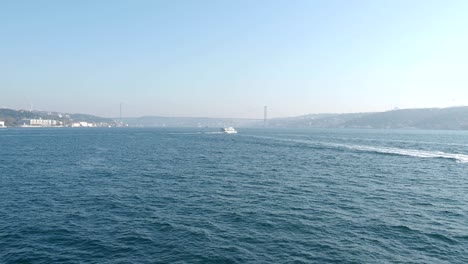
41, 119
40, 123
83, 124
55, 123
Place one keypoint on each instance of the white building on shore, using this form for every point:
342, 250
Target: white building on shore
39, 122
2, 124
83, 124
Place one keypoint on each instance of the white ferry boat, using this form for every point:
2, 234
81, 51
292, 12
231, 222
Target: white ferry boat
229, 130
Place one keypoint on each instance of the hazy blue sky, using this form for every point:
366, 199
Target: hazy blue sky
229, 58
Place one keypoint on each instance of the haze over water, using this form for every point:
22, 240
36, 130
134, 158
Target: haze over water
261, 196
223, 58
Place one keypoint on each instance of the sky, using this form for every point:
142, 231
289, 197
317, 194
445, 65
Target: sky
220, 58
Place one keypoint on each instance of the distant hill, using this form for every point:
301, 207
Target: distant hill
453, 118
158, 121
429, 118
14, 117
89, 118
316, 120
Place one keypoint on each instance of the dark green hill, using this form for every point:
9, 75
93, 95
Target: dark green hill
14, 117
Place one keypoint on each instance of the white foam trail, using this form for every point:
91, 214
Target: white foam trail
401, 141
192, 133
461, 158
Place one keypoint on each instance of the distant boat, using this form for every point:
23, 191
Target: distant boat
229, 130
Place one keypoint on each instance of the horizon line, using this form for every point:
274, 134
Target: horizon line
245, 118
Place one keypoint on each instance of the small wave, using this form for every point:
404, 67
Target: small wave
462, 237
442, 238
403, 228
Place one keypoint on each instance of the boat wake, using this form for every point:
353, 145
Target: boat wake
194, 133
460, 158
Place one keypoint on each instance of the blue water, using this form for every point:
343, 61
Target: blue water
261, 196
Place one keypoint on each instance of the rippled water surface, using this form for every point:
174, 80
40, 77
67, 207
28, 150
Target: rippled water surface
261, 196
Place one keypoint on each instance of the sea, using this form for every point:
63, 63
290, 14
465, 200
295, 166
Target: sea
172, 195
